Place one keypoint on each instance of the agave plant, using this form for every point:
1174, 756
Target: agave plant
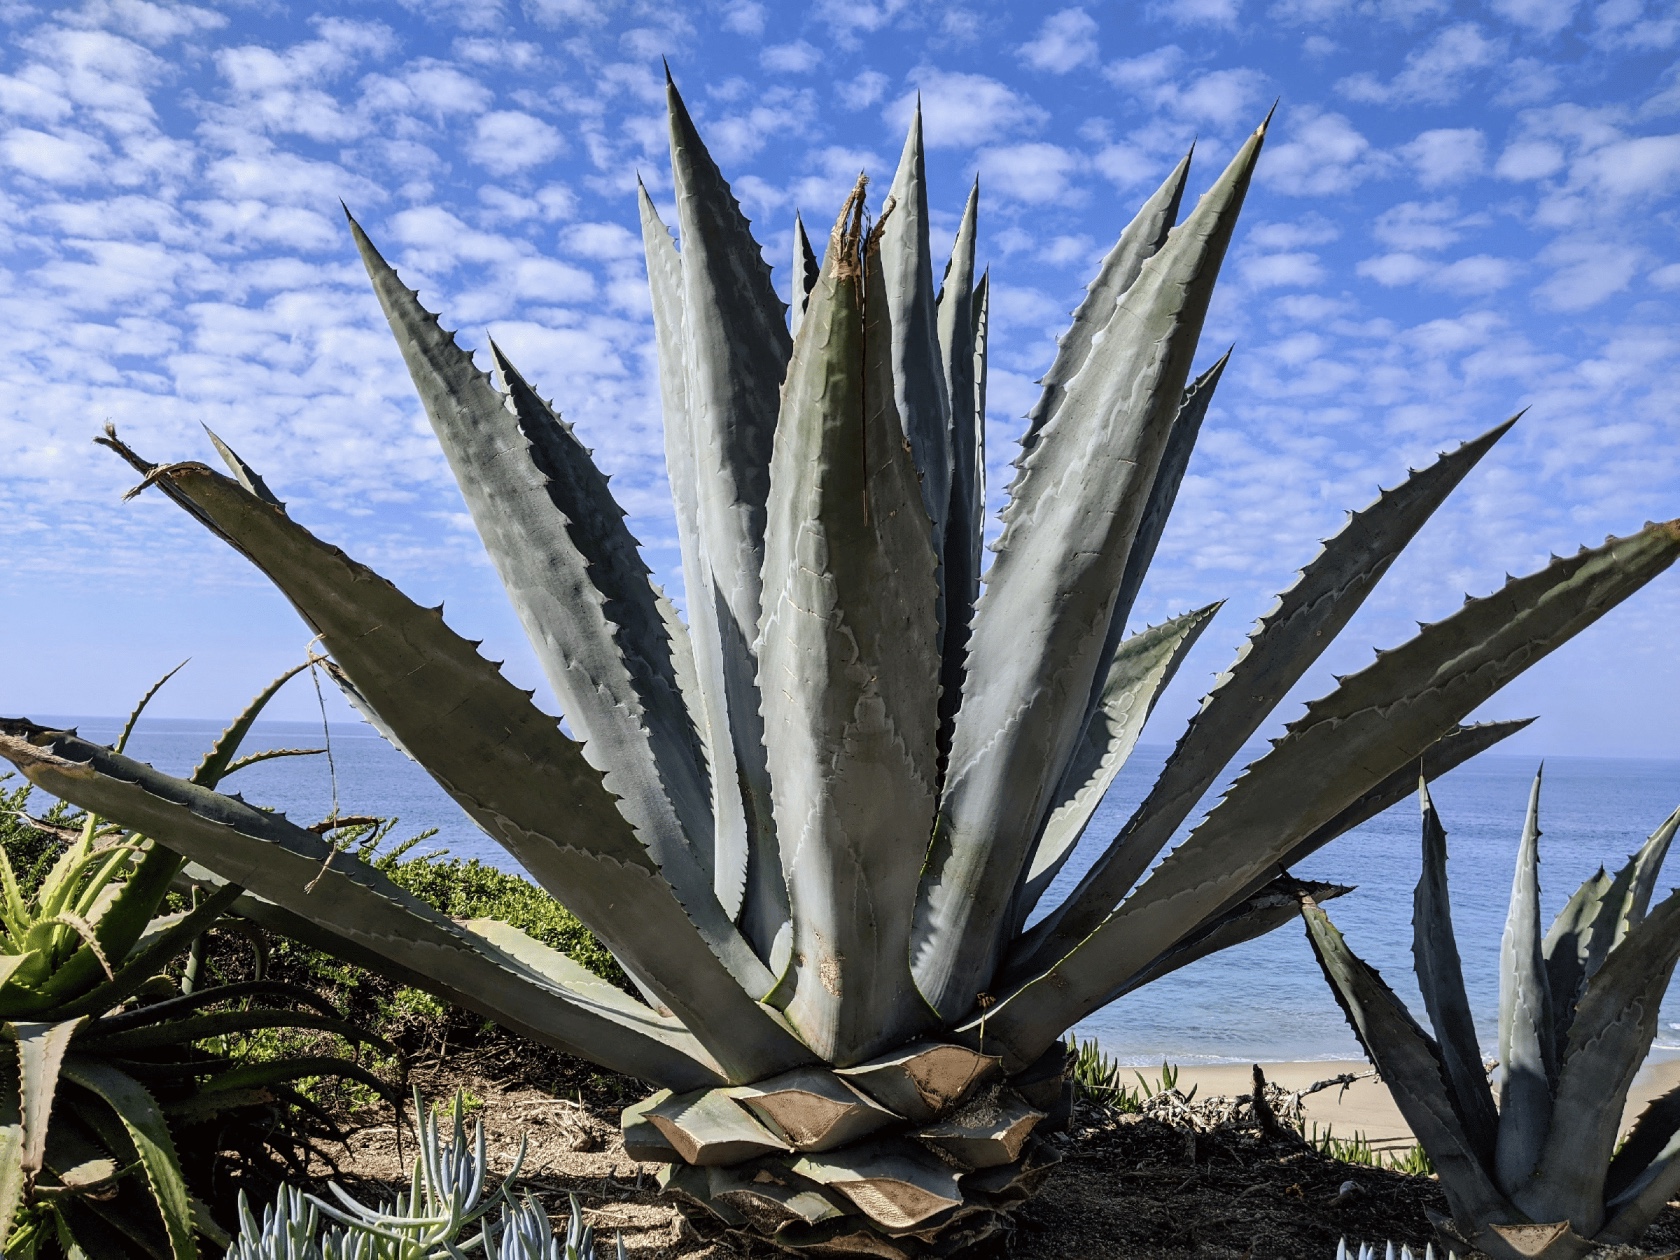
815, 821
1540, 1175
106, 1061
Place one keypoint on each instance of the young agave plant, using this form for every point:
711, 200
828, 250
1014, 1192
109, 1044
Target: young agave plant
1540, 1176
814, 821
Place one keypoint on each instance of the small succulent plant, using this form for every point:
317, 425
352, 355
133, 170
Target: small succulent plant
1539, 1175
814, 821
1368, 1251
105, 1060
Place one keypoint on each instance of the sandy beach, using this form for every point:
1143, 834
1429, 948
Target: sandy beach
1365, 1106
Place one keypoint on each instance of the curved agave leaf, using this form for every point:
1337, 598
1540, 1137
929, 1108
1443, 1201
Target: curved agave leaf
1441, 979
1412, 1068
508, 765
146, 1128
849, 663
242, 472
1040, 627
665, 287
1642, 870
1648, 1154
559, 541
1376, 722
965, 520
355, 902
1140, 669
912, 328
737, 348
1141, 239
1528, 1063
1615, 1024
1282, 647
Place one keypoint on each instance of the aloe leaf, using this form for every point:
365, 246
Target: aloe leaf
1643, 1153
299, 1067
1411, 1066
12, 1177
804, 274
1280, 649
1527, 1060
1274, 905
268, 754
40, 1057
355, 903
509, 766
1376, 722
1142, 238
559, 541
736, 350
1615, 1023
709, 701
1440, 977
146, 1127
245, 475
188, 1003
913, 324
960, 554
849, 659
185, 1031
1040, 628
1141, 667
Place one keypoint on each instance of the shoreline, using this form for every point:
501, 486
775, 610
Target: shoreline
1365, 1107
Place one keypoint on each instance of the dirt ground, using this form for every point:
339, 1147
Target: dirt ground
1128, 1186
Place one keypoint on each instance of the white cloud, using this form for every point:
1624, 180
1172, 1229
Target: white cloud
508, 140
71, 157
1543, 17
1218, 98
1474, 276
1273, 271
798, 57
1201, 12
1586, 272
1529, 159
966, 110
1066, 41
563, 14
1416, 225
1324, 155
744, 17
1028, 172
1641, 167
863, 91
1146, 70
1391, 270
1126, 165
1435, 74
1448, 155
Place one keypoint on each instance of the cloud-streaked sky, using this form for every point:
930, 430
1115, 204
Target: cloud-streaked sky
1462, 210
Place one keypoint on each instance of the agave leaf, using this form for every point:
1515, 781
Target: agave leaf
1376, 722
1265, 911
1411, 1066
1631, 1211
40, 1056
1139, 670
1284, 644
737, 348
1615, 1023
508, 765
1527, 1060
1441, 978
1139, 242
575, 578
965, 521
849, 654
354, 901
245, 475
665, 286
804, 275
1642, 1153
1040, 627
149, 1132
913, 329
1643, 868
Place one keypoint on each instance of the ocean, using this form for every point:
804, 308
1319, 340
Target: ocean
1261, 1002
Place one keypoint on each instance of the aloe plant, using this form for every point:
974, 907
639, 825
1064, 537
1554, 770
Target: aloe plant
814, 821
105, 1061
1539, 1174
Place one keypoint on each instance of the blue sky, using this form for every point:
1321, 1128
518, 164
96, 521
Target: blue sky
1462, 210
